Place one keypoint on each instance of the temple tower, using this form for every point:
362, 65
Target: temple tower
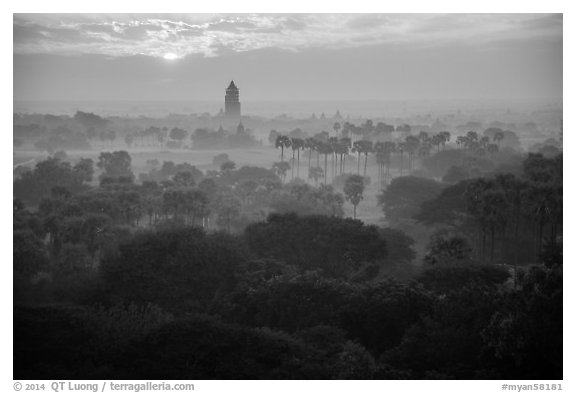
232, 103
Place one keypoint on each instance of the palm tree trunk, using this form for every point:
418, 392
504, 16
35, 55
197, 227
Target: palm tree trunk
292, 169
325, 167
387, 177
335, 167
298, 168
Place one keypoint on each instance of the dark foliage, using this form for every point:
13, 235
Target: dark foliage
50, 343
404, 195
446, 343
32, 186
446, 277
524, 337
177, 268
335, 245
305, 200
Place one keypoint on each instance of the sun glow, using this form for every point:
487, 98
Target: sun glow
170, 56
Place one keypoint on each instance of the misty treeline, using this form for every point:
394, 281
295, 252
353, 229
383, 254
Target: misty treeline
389, 148
259, 273
88, 131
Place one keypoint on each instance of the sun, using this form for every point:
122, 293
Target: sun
171, 56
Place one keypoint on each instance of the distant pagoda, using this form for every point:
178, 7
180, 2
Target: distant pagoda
232, 104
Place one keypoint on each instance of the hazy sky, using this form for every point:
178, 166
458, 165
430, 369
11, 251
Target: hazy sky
287, 57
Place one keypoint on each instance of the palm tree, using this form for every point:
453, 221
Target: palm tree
297, 144
461, 141
293, 158
437, 141
310, 144
423, 136
498, 137
315, 173
357, 148
412, 143
353, 190
280, 169
472, 136
389, 149
362, 147
326, 149
367, 149
401, 148
282, 141
445, 138
380, 160
346, 144
333, 142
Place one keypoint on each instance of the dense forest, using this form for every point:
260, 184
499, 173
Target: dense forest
251, 272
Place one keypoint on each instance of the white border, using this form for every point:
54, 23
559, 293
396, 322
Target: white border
238, 6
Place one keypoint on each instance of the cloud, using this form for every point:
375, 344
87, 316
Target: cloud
30, 33
140, 31
231, 26
542, 23
220, 35
293, 23
190, 33
99, 28
24, 33
368, 21
219, 49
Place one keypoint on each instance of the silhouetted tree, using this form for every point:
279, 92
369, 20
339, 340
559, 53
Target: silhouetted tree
115, 164
282, 142
353, 189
